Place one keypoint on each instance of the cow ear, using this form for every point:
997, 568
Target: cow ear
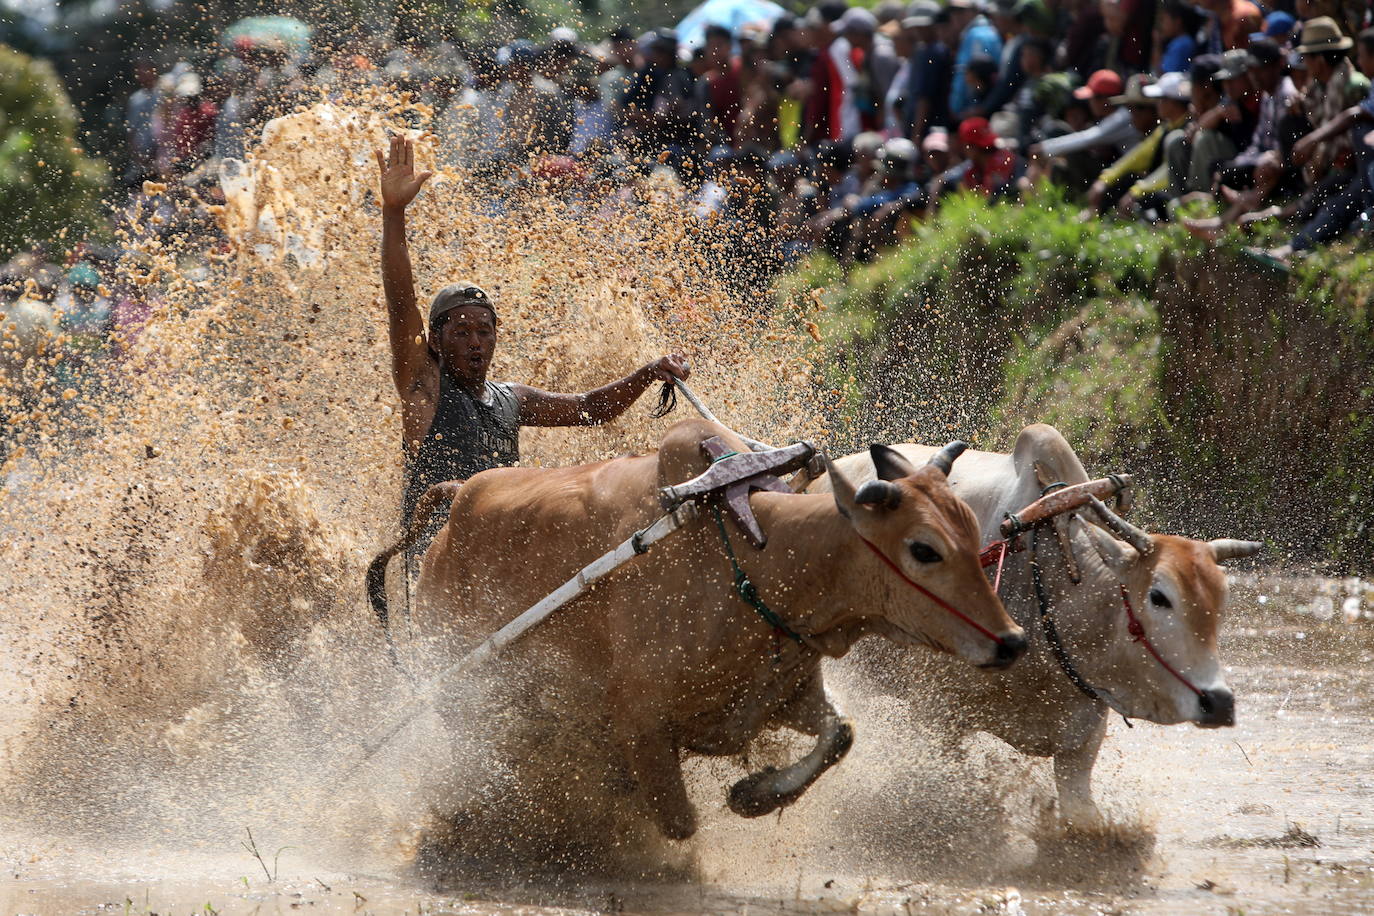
889, 463
841, 487
1118, 556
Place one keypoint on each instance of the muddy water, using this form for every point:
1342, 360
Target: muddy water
188, 656
1273, 816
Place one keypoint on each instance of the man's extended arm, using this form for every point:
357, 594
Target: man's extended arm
411, 361
601, 405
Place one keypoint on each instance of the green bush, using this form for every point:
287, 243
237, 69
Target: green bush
1242, 397
50, 188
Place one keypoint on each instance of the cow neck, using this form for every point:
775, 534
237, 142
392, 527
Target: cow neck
811, 551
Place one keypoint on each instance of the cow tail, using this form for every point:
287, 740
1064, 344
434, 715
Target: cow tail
430, 500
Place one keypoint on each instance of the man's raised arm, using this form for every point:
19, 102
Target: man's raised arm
412, 365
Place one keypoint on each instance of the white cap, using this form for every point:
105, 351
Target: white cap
1173, 86
858, 19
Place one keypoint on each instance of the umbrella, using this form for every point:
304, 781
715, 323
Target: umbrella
284, 33
733, 14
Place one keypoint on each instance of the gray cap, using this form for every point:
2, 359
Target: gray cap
456, 296
1234, 64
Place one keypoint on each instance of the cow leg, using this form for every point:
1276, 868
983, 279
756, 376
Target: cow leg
654, 766
811, 713
1073, 773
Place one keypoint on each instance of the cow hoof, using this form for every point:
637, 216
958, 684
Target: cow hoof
749, 799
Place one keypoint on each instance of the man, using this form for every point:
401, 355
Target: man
455, 422
720, 92
822, 91
1112, 185
928, 93
657, 114
1144, 172
976, 36
868, 69
1230, 24
992, 168
1087, 151
1340, 211
1205, 143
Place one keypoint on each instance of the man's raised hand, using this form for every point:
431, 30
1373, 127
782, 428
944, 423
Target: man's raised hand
400, 183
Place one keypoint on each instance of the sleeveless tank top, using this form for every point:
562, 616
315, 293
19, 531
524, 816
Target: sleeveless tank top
467, 435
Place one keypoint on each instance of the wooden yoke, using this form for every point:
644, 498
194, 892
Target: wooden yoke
1062, 500
733, 476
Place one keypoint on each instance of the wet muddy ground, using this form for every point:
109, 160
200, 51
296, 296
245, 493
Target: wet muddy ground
1273, 816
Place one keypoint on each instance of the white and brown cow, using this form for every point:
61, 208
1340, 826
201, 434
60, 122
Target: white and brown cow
1174, 587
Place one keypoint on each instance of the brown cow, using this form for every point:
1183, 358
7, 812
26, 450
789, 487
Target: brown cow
683, 663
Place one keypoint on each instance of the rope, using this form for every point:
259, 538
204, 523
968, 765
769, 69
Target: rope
1137, 631
744, 587
1051, 631
928, 593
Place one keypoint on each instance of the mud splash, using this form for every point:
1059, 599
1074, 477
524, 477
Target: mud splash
185, 522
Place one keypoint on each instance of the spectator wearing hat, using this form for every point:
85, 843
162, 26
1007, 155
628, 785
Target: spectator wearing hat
976, 37
867, 68
1257, 170
1010, 76
1141, 177
822, 92
1278, 28
1178, 24
1192, 161
1083, 153
1229, 24
720, 92
992, 168
1333, 85
1114, 181
656, 115
1339, 212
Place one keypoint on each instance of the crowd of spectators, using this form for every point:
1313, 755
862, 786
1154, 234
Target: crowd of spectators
840, 128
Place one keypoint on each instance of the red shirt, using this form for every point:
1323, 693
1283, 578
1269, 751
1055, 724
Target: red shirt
822, 116
996, 170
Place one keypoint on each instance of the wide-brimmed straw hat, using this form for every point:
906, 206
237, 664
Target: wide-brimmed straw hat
1322, 34
1135, 95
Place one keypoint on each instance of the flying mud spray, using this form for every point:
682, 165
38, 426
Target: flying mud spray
185, 528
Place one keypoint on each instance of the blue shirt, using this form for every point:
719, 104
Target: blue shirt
1178, 55
930, 81
978, 38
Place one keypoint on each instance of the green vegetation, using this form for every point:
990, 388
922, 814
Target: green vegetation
1243, 397
50, 188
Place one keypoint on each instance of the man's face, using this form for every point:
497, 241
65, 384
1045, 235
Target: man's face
1317, 67
718, 53
1205, 98
1364, 58
1143, 117
1266, 77
467, 342
1100, 106
859, 38
1170, 110
1032, 62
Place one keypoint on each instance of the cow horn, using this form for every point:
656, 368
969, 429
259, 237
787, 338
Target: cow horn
840, 486
889, 463
880, 493
1224, 549
1122, 529
944, 458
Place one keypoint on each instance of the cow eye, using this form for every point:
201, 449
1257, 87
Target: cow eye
924, 553
1160, 599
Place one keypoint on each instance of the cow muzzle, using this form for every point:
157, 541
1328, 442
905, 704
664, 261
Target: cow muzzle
1010, 647
1216, 708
